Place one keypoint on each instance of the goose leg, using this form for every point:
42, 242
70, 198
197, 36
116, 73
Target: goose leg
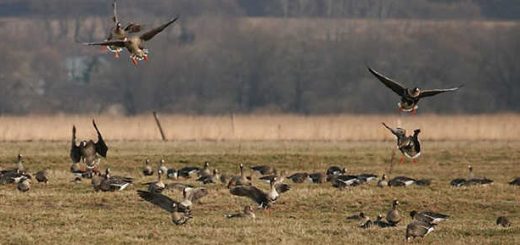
134, 61
116, 54
402, 160
145, 58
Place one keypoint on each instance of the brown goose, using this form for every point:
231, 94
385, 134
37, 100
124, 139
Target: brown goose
157, 186
393, 217
147, 170
42, 176
263, 199
417, 229
192, 195
113, 183
179, 214
335, 170
205, 171
162, 167
503, 221
118, 32
409, 96
88, 151
214, 178
247, 213
471, 181
24, 184
429, 217
516, 181
382, 182
318, 178
135, 44
279, 177
298, 177
264, 169
239, 180
410, 146
14, 175
380, 222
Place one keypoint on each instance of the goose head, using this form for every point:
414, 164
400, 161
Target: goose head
415, 92
395, 203
147, 162
413, 213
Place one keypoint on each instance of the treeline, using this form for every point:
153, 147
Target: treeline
402, 9
218, 64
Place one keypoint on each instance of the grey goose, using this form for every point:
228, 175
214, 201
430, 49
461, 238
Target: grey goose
410, 146
393, 216
418, 229
118, 32
88, 151
147, 169
263, 199
409, 96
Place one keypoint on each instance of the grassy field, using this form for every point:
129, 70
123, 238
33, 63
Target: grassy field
66, 213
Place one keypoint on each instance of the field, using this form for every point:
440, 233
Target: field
65, 213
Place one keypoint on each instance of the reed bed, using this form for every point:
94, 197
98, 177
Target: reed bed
262, 127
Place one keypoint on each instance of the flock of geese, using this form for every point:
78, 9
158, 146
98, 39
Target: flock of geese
86, 158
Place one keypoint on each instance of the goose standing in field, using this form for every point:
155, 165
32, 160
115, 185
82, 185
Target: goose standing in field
393, 216
135, 44
162, 167
417, 229
179, 214
239, 180
382, 182
428, 217
503, 221
24, 184
147, 170
410, 146
118, 32
409, 96
157, 186
516, 181
88, 151
246, 213
263, 199
42, 176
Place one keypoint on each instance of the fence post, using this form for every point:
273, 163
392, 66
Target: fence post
156, 117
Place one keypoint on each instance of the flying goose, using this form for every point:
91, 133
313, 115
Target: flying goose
263, 199
147, 170
516, 181
24, 184
118, 32
135, 44
393, 217
247, 213
88, 151
417, 229
42, 176
335, 170
264, 169
410, 146
428, 217
179, 214
503, 221
409, 96
298, 177
157, 186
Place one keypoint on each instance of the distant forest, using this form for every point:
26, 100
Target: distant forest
247, 56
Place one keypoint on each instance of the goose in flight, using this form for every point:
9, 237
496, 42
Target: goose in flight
88, 151
118, 32
409, 96
410, 146
135, 44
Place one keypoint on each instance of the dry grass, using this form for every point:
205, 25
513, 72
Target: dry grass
63, 212
262, 127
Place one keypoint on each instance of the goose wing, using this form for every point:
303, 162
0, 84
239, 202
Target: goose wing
75, 152
393, 85
151, 33
432, 92
158, 199
101, 147
250, 192
195, 194
116, 43
133, 28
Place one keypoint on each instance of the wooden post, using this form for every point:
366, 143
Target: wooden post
156, 117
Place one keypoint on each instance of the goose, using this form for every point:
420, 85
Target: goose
88, 151
365, 178
205, 171
429, 217
247, 213
318, 178
516, 181
472, 180
503, 221
113, 183
24, 184
263, 199
179, 214
393, 217
335, 170
365, 221
192, 195
279, 177
188, 172
135, 44
15, 175
147, 170
171, 173
423, 182
214, 178
410, 146
298, 177
162, 167
157, 186
380, 222
357, 216
42, 176
239, 180
382, 182
263, 169
341, 181
118, 32
417, 229
409, 96
401, 181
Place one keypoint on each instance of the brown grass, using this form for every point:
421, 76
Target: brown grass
262, 127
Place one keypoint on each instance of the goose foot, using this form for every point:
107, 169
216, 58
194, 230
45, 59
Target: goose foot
116, 55
134, 61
